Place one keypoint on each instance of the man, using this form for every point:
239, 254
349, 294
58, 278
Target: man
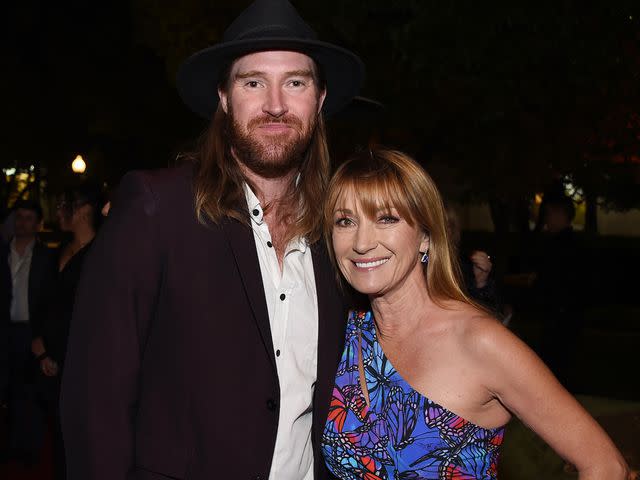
559, 284
32, 272
208, 324
5, 306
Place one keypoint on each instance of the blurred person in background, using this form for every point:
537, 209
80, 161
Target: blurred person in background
476, 268
79, 216
558, 280
5, 306
32, 271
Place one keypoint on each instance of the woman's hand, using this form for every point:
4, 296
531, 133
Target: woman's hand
481, 267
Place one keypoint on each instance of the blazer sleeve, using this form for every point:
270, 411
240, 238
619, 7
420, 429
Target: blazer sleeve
113, 310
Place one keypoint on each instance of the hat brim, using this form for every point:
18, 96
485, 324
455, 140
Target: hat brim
198, 77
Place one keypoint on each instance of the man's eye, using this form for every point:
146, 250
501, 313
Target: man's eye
297, 83
252, 84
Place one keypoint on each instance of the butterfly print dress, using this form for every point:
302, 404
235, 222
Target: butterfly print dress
401, 434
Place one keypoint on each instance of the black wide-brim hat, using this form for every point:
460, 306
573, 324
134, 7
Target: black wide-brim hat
268, 25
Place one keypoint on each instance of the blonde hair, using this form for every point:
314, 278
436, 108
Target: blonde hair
382, 178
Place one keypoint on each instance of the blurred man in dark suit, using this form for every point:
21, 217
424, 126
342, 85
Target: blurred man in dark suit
32, 272
5, 305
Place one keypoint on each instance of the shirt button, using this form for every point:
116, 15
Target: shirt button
271, 404
282, 296
269, 244
277, 353
255, 212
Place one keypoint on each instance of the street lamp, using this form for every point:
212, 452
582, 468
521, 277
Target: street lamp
78, 165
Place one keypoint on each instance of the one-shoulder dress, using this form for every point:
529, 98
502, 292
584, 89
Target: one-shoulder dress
401, 434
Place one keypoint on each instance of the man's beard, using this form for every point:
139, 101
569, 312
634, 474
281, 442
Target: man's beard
272, 155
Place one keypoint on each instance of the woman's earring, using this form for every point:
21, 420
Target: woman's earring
425, 257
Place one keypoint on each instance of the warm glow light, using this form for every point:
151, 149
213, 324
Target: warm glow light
78, 165
538, 199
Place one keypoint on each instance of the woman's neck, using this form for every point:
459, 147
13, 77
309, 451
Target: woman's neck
82, 235
399, 313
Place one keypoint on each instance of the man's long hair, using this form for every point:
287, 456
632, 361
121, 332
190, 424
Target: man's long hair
218, 182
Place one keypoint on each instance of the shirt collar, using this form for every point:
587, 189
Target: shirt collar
27, 251
253, 204
257, 217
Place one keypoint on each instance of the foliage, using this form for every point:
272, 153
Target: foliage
494, 98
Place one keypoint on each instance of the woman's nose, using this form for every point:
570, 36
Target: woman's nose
365, 238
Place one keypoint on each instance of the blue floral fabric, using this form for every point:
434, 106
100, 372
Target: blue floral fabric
401, 434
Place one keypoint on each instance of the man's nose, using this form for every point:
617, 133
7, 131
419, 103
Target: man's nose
275, 103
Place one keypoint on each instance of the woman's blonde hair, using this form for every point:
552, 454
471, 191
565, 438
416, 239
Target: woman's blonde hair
382, 178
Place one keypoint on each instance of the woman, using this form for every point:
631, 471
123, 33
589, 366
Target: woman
476, 268
429, 379
79, 215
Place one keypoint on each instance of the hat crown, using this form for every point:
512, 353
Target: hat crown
269, 18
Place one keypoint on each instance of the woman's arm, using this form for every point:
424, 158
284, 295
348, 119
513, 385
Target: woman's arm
527, 388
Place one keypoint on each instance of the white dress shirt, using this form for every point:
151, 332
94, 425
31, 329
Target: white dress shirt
20, 266
293, 315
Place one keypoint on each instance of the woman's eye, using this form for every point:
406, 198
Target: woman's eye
389, 219
343, 222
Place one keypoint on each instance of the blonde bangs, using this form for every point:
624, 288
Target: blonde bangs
372, 193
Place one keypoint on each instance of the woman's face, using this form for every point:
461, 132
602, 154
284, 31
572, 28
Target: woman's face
64, 214
376, 255
70, 215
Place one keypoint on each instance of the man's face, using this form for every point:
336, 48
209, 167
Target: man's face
27, 223
272, 102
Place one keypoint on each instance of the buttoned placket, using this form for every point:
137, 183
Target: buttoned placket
289, 292
284, 286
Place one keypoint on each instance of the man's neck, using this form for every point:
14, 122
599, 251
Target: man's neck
270, 191
21, 243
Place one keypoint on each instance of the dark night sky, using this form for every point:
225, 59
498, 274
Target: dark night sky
77, 83
478, 85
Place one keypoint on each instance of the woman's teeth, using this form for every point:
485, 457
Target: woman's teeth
371, 264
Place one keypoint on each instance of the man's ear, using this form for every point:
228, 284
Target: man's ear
224, 99
323, 95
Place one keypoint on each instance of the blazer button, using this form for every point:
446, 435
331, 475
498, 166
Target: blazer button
271, 404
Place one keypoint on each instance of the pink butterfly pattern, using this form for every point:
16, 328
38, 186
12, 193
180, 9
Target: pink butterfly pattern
401, 434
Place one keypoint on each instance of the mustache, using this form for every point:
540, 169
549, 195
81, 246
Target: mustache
290, 120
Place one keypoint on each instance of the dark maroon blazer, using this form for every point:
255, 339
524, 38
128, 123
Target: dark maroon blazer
170, 370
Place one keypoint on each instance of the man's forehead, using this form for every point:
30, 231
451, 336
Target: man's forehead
273, 61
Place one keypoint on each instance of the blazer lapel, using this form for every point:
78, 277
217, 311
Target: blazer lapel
332, 316
243, 246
